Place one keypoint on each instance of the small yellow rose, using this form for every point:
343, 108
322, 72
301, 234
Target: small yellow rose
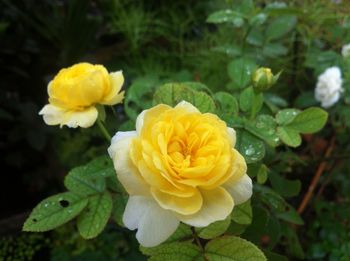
179, 165
75, 91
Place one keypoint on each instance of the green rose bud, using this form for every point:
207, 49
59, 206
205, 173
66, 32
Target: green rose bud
263, 79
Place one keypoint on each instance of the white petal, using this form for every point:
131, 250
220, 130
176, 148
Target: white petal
187, 106
116, 138
217, 205
52, 115
127, 173
241, 190
232, 134
134, 210
156, 226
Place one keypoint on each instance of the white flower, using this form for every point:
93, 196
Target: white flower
345, 51
328, 87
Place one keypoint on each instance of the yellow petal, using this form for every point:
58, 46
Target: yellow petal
114, 96
181, 205
85, 118
217, 205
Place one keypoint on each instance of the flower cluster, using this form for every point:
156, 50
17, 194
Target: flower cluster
178, 165
75, 91
329, 87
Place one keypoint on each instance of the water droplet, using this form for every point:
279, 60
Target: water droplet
69, 210
250, 150
46, 205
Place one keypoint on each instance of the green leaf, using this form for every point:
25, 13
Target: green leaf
285, 187
139, 96
215, 229
291, 216
280, 26
246, 99
173, 93
176, 251
95, 216
263, 127
310, 120
226, 16
271, 198
54, 211
90, 179
262, 174
242, 213
240, 71
271, 256
251, 148
233, 248
286, 116
182, 232
119, 204
273, 50
294, 246
227, 106
289, 136
230, 50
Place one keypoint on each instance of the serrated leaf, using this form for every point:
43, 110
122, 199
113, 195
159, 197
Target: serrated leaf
215, 229
242, 214
232, 248
286, 116
176, 251
289, 136
274, 256
119, 204
240, 71
182, 232
90, 179
54, 211
291, 216
227, 106
251, 148
310, 120
263, 127
95, 216
280, 26
226, 16
173, 93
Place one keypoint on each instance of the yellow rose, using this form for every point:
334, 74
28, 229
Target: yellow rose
179, 165
75, 91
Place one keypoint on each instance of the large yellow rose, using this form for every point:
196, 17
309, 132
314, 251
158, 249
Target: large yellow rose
179, 165
75, 91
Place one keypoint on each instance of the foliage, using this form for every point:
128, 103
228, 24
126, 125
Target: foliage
204, 52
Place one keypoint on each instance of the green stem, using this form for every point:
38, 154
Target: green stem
104, 130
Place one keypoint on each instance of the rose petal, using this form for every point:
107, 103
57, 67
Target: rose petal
241, 190
54, 115
232, 135
187, 106
115, 96
127, 173
217, 205
84, 119
182, 205
156, 226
